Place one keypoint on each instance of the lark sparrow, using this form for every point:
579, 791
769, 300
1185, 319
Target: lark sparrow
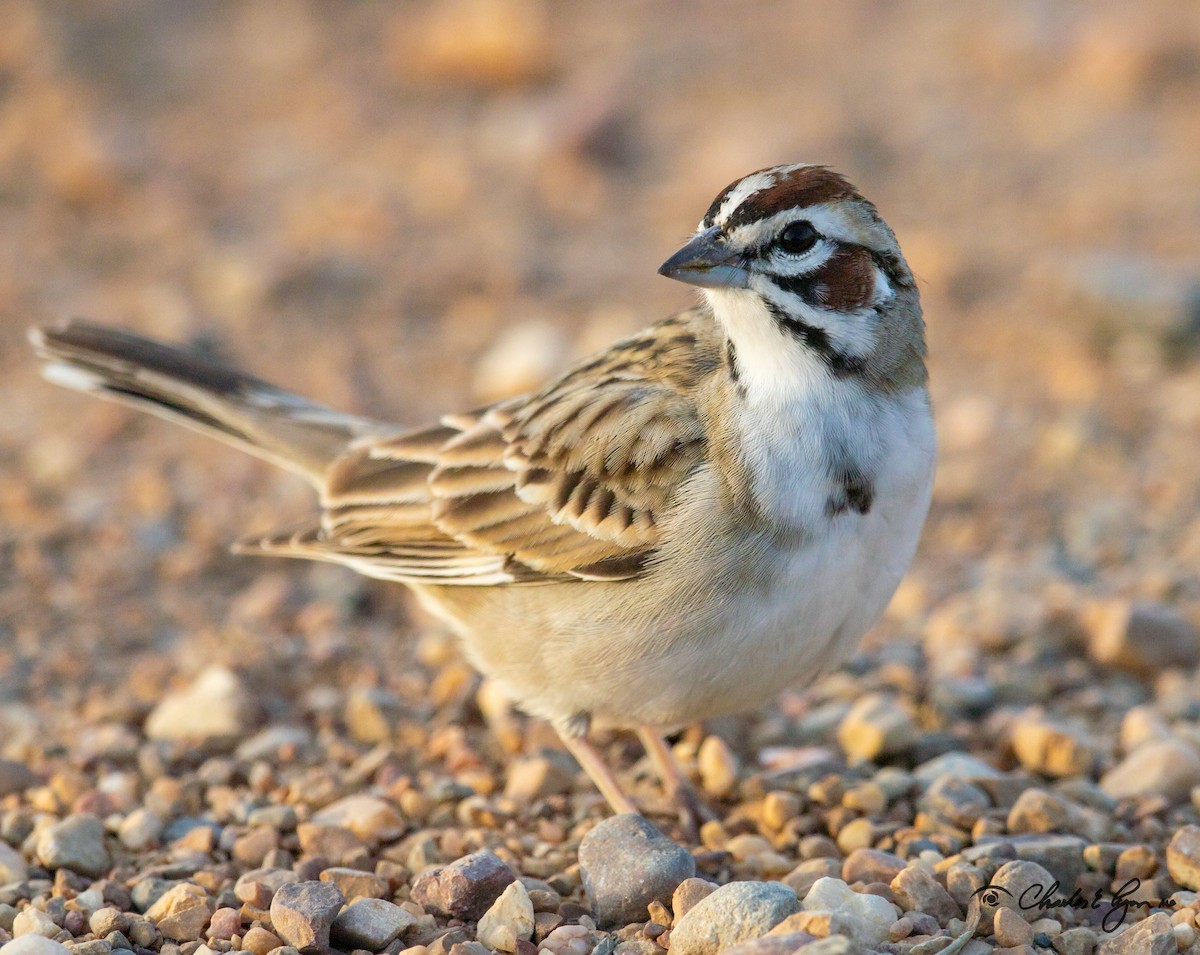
681, 526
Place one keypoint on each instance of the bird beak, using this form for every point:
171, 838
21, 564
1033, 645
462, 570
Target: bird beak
706, 261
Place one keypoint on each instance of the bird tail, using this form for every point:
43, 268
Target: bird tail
182, 386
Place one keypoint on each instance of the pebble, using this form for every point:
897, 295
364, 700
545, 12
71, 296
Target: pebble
1061, 855
76, 843
181, 913
370, 818
626, 864
864, 918
956, 765
1039, 811
917, 890
224, 924
215, 705
802, 878
719, 767
141, 829
784, 944
509, 920
33, 921
34, 945
870, 865
536, 777
106, 920
259, 941
735, 912
15, 777
356, 884
1140, 636
1051, 747
1149, 936
1168, 768
1076, 941
463, 889
1011, 929
13, 867
1016, 878
1183, 857
778, 808
955, 799
302, 913
878, 724
370, 924
688, 893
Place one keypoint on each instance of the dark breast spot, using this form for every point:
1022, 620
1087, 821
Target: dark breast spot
855, 493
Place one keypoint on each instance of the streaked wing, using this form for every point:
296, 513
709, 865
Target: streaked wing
568, 483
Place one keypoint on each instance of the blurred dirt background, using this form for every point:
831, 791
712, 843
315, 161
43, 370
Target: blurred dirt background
401, 209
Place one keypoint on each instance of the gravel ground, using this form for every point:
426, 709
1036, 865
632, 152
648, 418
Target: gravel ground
402, 209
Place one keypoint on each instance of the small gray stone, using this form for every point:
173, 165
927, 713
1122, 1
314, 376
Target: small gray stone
736, 912
13, 867
1039, 811
1150, 936
954, 764
464, 889
302, 914
15, 777
95, 946
955, 800
1061, 855
370, 924
1142, 637
626, 864
918, 891
1019, 878
76, 843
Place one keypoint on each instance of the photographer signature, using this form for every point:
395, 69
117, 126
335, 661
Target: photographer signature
1116, 905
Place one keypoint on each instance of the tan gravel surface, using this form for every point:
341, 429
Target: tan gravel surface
402, 209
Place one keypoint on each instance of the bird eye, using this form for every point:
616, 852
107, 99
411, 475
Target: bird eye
797, 238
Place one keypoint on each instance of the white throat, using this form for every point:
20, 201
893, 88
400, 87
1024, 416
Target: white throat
774, 368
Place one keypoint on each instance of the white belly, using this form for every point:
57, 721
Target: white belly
770, 617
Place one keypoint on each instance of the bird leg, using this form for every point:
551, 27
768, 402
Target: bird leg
678, 788
587, 756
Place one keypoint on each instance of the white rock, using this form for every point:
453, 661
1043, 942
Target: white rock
1168, 767
368, 817
31, 921
216, 705
34, 945
141, 829
862, 917
508, 920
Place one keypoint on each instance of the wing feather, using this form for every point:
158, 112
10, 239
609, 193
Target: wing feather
570, 483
